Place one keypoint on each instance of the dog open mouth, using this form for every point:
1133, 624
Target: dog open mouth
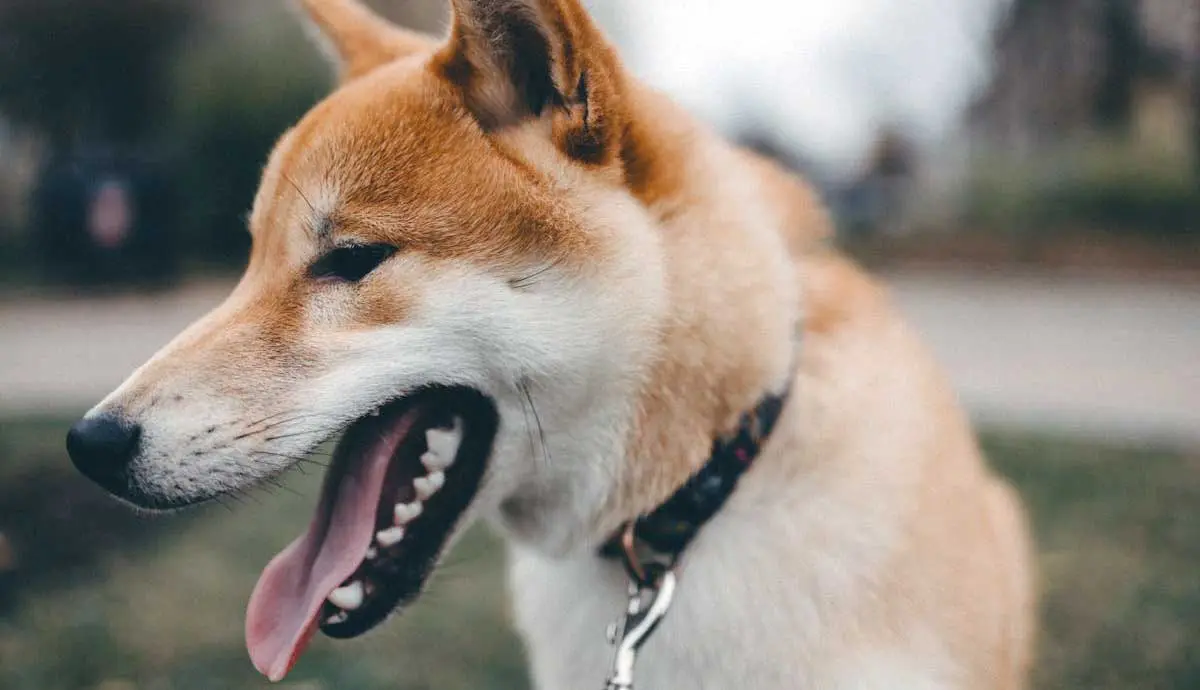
400, 480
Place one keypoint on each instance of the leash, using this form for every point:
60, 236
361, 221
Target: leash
650, 546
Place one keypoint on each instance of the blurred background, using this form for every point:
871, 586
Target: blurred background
1025, 174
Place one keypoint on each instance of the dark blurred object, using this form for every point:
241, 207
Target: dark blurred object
1125, 54
78, 71
875, 202
91, 80
8, 559
1195, 52
104, 218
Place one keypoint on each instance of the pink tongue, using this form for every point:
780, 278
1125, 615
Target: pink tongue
282, 615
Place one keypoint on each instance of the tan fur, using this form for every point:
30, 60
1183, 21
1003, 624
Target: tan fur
962, 559
870, 547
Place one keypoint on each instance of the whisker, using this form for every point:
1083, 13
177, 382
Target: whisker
524, 385
293, 435
277, 424
274, 481
269, 417
297, 188
529, 280
294, 458
243, 494
528, 428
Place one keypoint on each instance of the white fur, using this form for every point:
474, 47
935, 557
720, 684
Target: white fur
744, 614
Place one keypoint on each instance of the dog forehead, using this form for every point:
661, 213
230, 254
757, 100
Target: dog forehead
386, 139
396, 157
395, 141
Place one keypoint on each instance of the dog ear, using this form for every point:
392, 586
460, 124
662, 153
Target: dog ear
520, 59
357, 39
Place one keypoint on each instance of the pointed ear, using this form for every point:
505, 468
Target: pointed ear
357, 39
519, 59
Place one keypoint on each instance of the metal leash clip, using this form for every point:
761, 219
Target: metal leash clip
651, 591
647, 607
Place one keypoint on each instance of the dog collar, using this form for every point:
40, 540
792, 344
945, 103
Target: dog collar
653, 543
650, 546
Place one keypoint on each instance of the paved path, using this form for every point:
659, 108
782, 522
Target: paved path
1115, 360
1120, 360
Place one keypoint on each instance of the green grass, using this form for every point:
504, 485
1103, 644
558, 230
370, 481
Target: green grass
1119, 539
158, 603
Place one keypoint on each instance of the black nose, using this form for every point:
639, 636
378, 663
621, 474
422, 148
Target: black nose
101, 447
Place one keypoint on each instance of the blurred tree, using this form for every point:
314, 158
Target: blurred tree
1195, 64
1123, 49
1074, 66
1049, 55
89, 70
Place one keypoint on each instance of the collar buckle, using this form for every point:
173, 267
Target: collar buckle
643, 564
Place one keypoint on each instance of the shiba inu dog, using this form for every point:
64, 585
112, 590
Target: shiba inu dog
524, 287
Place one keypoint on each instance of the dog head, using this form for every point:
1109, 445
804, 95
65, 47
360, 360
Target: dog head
449, 270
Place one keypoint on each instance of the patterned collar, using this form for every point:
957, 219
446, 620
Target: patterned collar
652, 543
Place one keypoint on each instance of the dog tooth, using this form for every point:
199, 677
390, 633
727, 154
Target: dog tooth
400, 514
372, 552
337, 618
437, 479
444, 442
390, 536
349, 597
407, 512
429, 485
432, 461
424, 488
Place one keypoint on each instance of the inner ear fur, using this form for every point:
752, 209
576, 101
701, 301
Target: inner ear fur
519, 59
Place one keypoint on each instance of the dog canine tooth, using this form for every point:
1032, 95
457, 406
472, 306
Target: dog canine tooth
444, 443
349, 597
390, 536
407, 512
429, 485
372, 552
337, 618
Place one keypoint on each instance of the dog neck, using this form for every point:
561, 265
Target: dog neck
728, 337
724, 338
657, 540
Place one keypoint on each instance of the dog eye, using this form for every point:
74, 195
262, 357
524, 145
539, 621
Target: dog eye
351, 263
